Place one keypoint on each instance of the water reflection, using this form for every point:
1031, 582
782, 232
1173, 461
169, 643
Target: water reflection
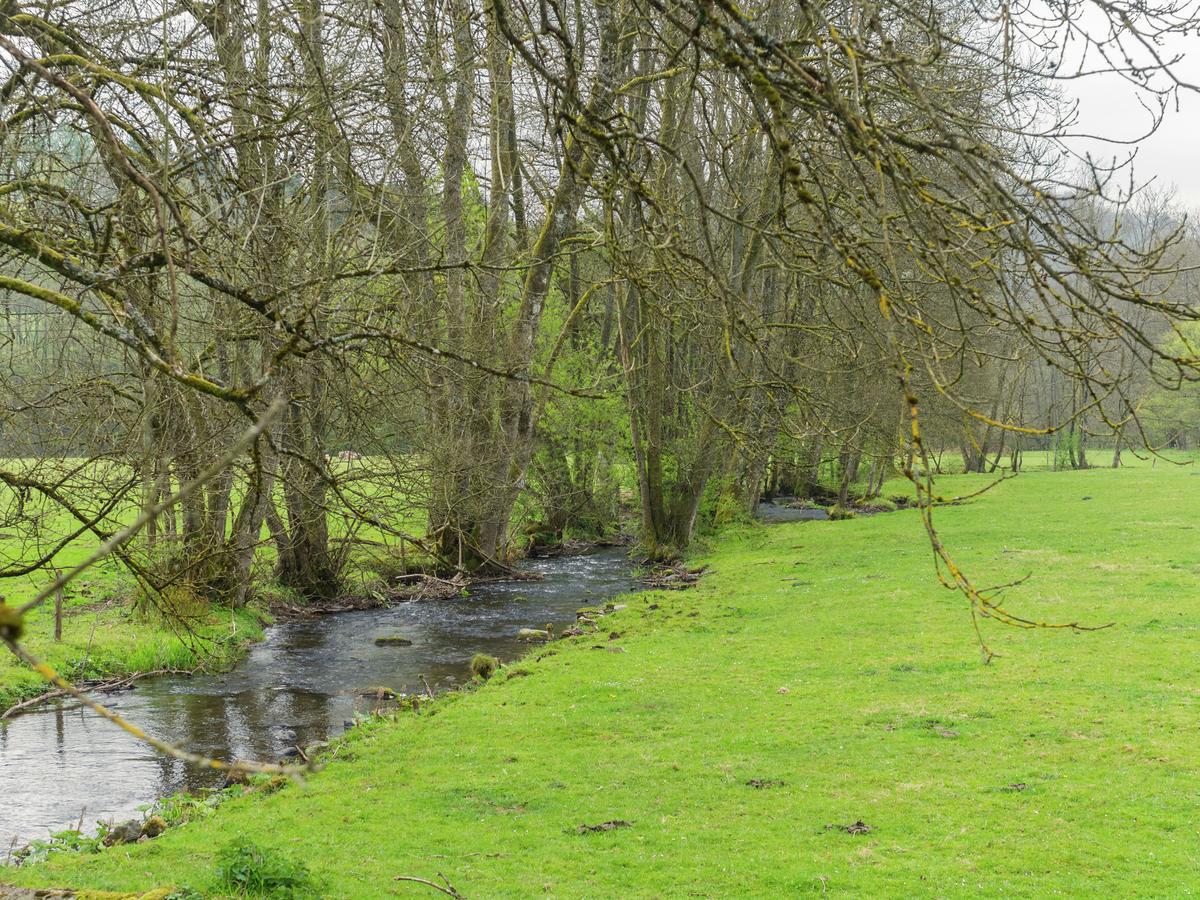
301, 684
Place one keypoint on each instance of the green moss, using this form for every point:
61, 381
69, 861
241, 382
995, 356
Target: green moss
483, 666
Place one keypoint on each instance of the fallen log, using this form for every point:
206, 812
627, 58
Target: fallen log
106, 686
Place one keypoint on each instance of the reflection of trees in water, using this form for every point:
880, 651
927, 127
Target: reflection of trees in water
60, 732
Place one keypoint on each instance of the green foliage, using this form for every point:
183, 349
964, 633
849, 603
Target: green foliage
177, 809
721, 506
1065, 448
251, 870
68, 841
1171, 410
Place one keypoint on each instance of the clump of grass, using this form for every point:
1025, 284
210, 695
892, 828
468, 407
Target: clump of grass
483, 666
841, 512
250, 870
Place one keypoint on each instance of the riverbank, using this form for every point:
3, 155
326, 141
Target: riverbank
730, 739
105, 639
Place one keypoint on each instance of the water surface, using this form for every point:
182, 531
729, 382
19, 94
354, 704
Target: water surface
303, 683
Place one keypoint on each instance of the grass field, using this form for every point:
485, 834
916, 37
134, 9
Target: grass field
822, 661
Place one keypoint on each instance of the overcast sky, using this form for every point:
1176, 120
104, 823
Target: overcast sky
1109, 106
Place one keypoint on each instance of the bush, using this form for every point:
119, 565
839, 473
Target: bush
250, 870
483, 666
721, 505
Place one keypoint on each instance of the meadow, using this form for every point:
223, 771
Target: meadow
813, 718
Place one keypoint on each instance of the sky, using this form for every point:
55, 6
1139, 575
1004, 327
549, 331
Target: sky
1109, 106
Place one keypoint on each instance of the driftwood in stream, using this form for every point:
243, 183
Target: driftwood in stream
407, 588
104, 687
419, 586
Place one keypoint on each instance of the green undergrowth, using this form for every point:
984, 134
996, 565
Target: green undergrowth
812, 719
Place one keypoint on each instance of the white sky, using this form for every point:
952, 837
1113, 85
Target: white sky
1108, 106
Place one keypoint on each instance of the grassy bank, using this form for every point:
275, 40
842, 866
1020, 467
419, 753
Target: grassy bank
818, 677
103, 636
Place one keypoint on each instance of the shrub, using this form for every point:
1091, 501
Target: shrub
69, 841
250, 870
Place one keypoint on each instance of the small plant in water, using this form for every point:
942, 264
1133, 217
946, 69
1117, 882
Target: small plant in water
253, 871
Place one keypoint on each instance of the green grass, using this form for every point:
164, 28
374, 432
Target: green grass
108, 638
103, 635
822, 657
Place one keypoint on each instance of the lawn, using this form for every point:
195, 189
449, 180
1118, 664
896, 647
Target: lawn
818, 677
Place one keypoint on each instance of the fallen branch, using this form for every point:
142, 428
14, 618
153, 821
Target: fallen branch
673, 577
103, 687
449, 889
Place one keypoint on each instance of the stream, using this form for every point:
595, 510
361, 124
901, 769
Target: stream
302, 683
776, 513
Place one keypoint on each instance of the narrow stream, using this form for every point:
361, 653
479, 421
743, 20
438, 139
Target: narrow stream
775, 513
303, 683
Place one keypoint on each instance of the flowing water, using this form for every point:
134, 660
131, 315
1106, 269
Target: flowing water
304, 682
776, 513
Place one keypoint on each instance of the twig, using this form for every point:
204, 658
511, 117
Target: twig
449, 890
114, 684
428, 689
942, 501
